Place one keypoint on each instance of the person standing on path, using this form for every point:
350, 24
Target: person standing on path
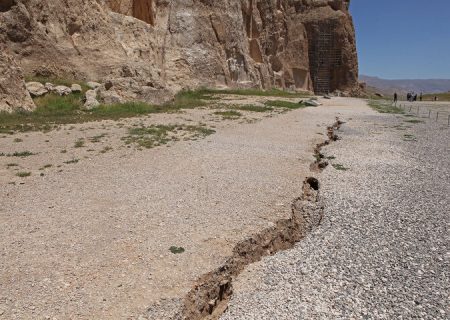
395, 98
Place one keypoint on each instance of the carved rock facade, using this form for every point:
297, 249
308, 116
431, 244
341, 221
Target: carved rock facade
176, 44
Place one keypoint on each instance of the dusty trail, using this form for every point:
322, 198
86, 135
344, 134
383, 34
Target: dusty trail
93, 241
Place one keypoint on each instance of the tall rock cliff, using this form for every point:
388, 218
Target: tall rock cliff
151, 46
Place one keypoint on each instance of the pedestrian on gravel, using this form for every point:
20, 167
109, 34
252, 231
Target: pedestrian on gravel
395, 98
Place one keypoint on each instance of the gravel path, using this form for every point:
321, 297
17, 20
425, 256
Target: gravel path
382, 251
90, 240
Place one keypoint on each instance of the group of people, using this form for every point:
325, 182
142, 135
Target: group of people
411, 97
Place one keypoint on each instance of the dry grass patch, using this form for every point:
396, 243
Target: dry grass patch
23, 174
158, 135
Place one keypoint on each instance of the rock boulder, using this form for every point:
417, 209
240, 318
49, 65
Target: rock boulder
36, 89
91, 100
76, 88
62, 90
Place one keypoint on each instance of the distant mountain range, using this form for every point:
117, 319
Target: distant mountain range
403, 86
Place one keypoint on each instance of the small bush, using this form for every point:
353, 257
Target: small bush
72, 161
414, 121
79, 143
23, 174
228, 115
340, 167
176, 250
22, 154
106, 149
256, 92
252, 108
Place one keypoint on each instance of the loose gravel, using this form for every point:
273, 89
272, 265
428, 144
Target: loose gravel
91, 239
382, 251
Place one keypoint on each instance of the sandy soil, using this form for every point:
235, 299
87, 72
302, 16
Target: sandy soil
91, 239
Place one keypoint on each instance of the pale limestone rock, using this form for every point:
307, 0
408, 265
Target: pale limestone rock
62, 90
13, 94
312, 103
36, 89
49, 86
93, 85
76, 88
91, 100
109, 97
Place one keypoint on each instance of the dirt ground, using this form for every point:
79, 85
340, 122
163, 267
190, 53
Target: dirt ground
88, 234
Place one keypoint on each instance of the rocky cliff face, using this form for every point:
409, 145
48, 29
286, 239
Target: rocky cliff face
151, 45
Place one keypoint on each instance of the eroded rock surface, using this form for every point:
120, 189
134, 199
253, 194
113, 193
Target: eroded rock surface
13, 93
171, 45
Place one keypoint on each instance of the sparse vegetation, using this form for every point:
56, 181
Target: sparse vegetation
340, 167
409, 137
149, 137
97, 138
157, 135
9, 165
23, 174
252, 108
176, 250
72, 161
46, 167
17, 140
54, 110
21, 154
79, 143
106, 149
383, 106
414, 121
228, 115
284, 104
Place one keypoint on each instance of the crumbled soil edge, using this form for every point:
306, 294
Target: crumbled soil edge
321, 163
209, 297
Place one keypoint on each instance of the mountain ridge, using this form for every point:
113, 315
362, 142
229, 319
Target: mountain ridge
389, 86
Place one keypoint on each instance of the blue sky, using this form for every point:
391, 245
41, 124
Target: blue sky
403, 39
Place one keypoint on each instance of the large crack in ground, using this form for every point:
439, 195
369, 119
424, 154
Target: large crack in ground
320, 162
209, 298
